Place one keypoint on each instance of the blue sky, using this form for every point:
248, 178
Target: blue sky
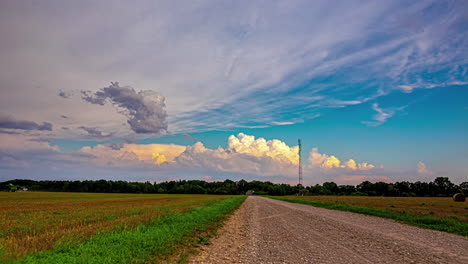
154, 90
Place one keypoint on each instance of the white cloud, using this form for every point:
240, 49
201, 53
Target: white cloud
244, 154
427, 85
282, 123
423, 170
382, 114
324, 161
23, 156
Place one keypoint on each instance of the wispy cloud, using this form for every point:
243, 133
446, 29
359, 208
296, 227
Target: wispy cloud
382, 114
223, 64
189, 137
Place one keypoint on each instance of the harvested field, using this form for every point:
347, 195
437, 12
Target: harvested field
34, 221
438, 207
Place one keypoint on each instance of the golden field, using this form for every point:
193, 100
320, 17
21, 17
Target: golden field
37, 221
438, 207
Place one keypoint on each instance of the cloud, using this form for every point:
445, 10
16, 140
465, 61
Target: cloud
145, 109
428, 85
324, 161
187, 136
382, 114
406, 88
95, 132
148, 153
11, 123
282, 123
65, 94
249, 63
275, 149
244, 154
423, 170
25, 156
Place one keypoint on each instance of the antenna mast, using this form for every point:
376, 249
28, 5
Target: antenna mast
300, 162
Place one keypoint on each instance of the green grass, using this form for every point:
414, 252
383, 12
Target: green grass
446, 225
140, 244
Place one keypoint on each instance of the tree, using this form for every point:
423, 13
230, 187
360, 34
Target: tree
444, 187
464, 187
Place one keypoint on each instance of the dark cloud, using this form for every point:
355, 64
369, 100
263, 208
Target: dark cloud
4, 131
129, 140
145, 109
64, 94
115, 146
94, 132
189, 137
64, 116
11, 123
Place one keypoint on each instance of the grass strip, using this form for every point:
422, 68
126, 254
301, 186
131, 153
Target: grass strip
142, 243
445, 225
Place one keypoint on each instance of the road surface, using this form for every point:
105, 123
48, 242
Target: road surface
269, 231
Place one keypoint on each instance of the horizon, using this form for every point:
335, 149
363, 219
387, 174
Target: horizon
214, 90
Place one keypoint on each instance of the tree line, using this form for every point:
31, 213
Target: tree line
441, 186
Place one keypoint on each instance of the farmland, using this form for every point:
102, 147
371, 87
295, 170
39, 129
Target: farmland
33, 225
439, 213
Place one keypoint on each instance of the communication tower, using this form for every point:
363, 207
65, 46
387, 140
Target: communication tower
300, 163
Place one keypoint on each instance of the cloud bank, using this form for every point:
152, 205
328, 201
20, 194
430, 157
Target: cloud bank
244, 157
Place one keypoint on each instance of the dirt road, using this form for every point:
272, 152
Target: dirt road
270, 231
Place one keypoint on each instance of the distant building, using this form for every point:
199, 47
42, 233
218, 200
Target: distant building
249, 192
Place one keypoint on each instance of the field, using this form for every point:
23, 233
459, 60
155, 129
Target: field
438, 207
36, 226
439, 213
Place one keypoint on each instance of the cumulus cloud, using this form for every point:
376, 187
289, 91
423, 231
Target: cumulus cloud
148, 153
244, 154
11, 123
95, 132
275, 149
324, 161
145, 109
245, 157
422, 169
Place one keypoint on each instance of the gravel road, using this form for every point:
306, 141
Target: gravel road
269, 231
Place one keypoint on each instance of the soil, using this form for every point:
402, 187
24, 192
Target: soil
263, 230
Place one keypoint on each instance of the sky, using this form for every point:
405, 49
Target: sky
214, 90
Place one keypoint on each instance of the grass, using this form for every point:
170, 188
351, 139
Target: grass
438, 207
401, 211
142, 243
35, 222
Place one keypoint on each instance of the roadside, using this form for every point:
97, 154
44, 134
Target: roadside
272, 231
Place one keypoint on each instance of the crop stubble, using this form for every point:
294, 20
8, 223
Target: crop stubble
32, 222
